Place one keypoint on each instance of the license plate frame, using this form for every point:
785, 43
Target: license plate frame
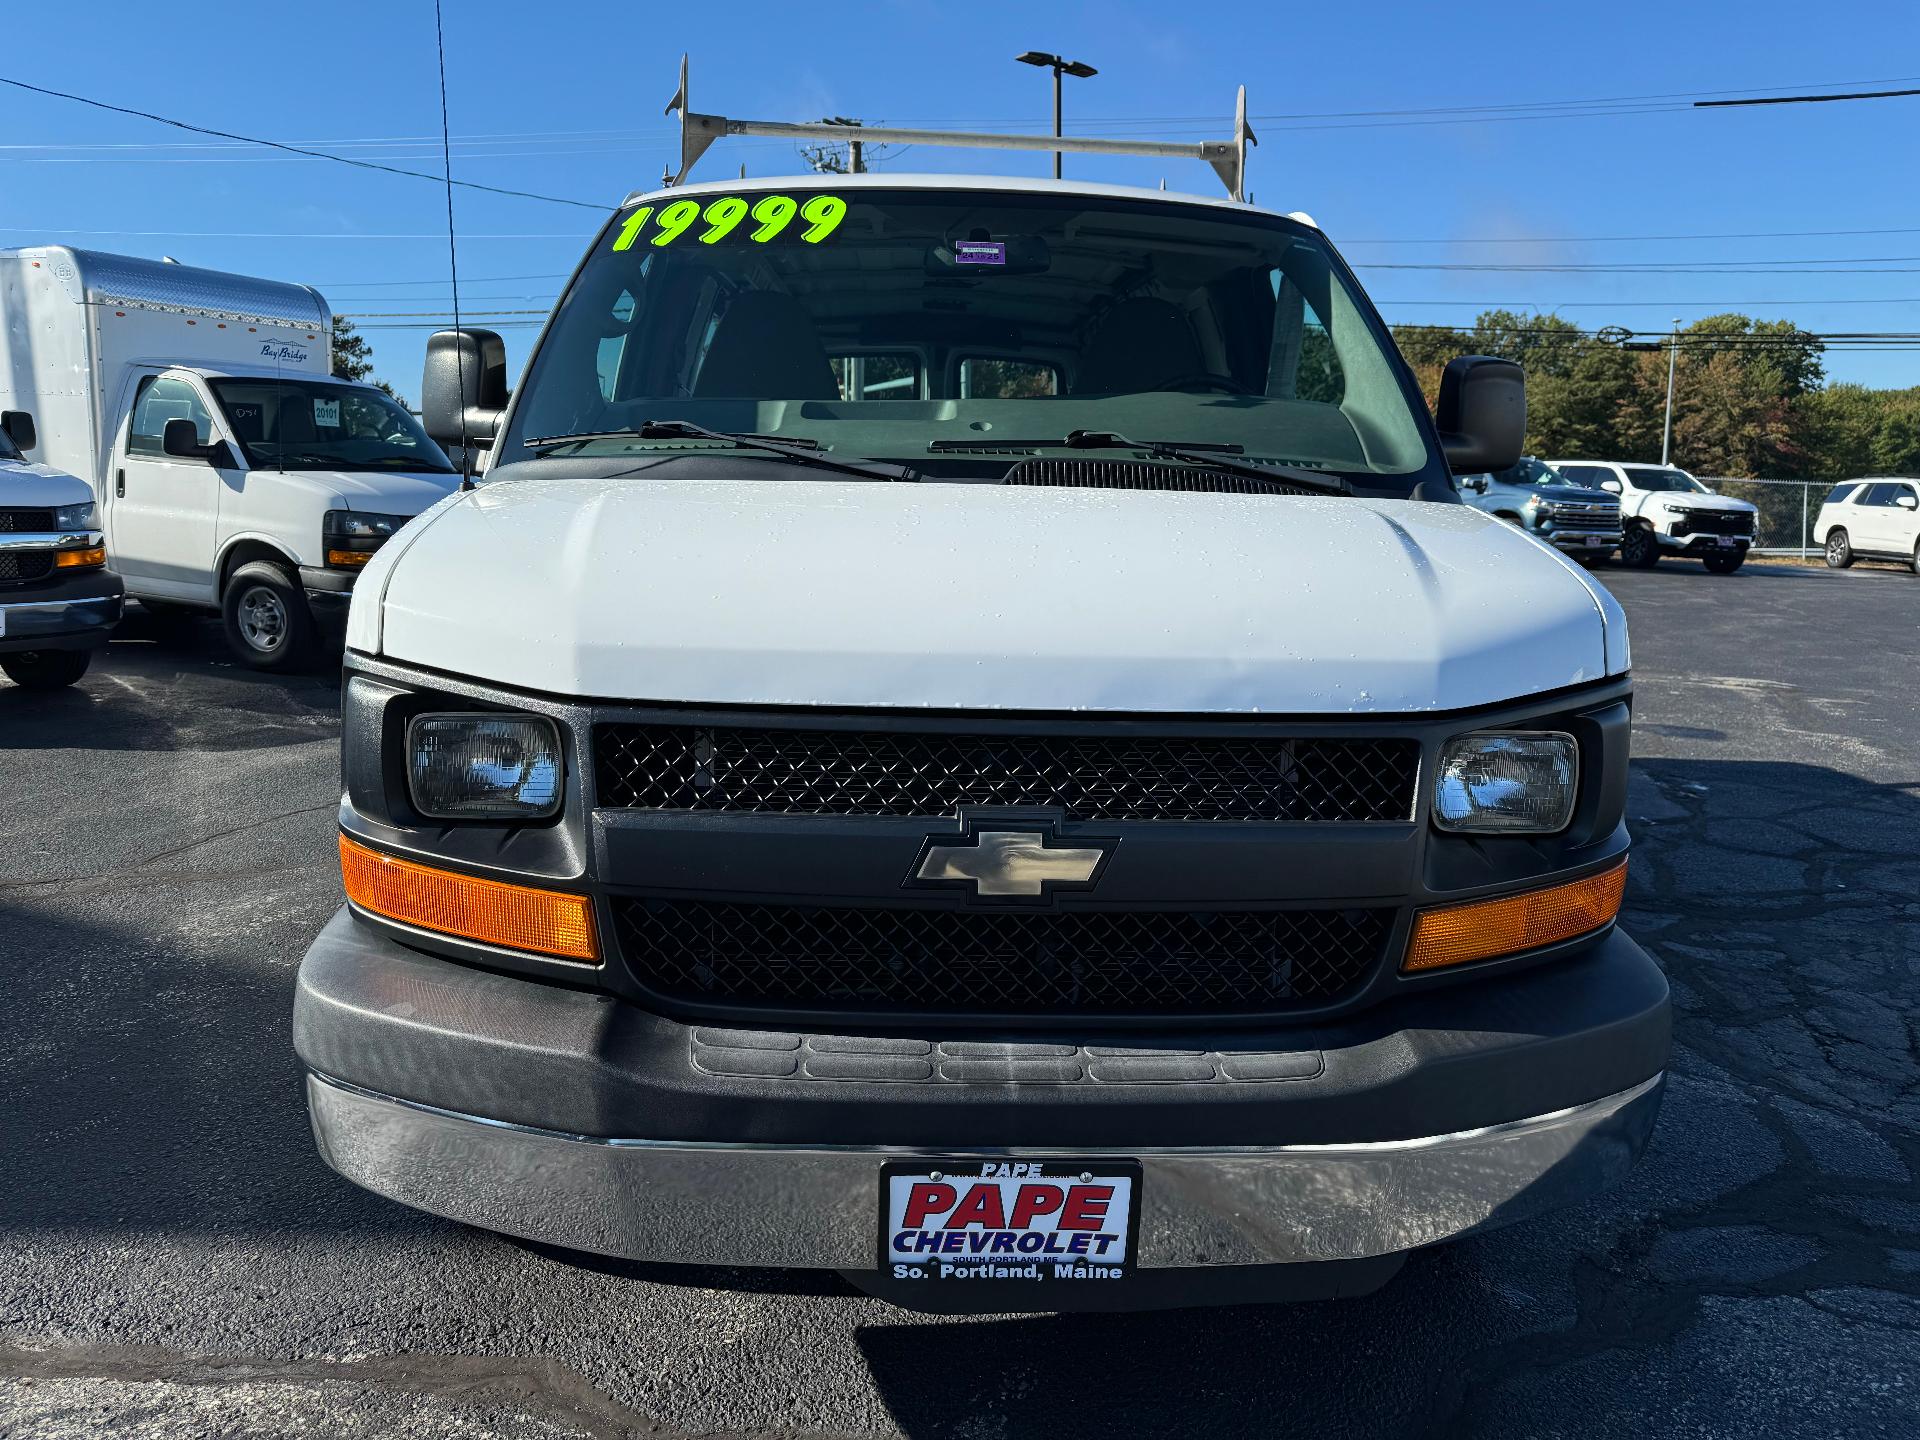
978, 1256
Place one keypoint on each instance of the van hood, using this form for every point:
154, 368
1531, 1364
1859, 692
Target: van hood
983, 597
381, 492
23, 485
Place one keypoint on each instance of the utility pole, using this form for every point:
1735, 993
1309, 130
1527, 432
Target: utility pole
826, 161
1059, 67
1666, 433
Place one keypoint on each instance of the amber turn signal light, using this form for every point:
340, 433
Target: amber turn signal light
91, 558
348, 559
518, 917
1482, 929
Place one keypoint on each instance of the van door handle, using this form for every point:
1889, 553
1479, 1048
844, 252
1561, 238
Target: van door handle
119, 483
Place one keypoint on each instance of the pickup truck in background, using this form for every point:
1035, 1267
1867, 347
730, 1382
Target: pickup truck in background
58, 601
232, 471
1665, 511
1533, 495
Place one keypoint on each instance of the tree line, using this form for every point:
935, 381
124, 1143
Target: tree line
1750, 396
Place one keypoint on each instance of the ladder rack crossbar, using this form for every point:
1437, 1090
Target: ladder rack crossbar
698, 131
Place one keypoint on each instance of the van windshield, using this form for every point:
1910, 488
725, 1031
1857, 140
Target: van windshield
318, 425
7, 448
899, 323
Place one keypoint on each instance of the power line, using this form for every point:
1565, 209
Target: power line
290, 149
1805, 99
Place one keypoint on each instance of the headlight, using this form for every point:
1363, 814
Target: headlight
1673, 509
484, 766
1507, 782
353, 525
84, 516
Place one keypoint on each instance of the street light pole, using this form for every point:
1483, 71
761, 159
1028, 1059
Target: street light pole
1057, 131
1059, 67
1666, 433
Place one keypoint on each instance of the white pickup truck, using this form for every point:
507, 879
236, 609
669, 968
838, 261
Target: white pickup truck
964, 737
232, 472
1665, 511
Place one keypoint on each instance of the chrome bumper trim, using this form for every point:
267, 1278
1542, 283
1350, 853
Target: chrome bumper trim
51, 539
55, 619
817, 1206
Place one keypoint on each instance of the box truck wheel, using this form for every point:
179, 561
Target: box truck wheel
268, 623
45, 669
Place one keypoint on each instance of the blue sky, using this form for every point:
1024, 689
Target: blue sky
568, 102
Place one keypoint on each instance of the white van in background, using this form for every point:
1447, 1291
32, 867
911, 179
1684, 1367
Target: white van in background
233, 472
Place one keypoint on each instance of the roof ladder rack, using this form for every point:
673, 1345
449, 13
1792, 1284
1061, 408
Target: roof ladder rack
1227, 157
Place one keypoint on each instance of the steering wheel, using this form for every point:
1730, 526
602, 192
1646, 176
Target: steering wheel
1201, 380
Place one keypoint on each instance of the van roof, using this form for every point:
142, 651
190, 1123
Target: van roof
97, 278
1018, 184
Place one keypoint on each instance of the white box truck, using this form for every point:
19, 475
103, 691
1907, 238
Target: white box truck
232, 471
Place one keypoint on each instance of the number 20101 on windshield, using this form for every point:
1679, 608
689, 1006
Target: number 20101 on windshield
711, 223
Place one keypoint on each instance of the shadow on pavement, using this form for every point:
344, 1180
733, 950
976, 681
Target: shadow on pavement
172, 684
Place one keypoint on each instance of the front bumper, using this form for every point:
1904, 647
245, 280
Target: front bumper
1700, 544
76, 612
1581, 539
580, 1120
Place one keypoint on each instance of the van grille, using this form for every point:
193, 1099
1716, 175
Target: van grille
20, 566
25, 522
1090, 777
977, 962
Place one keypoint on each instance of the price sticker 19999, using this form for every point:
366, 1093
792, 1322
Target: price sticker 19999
714, 220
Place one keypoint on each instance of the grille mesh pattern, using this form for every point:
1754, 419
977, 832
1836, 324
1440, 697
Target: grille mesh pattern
20, 565
1092, 777
1715, 522
997, 963
1132, 475
24, 522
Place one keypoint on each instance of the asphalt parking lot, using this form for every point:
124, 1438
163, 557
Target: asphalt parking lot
176, 1260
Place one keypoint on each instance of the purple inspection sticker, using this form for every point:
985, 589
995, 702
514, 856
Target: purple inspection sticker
979, 252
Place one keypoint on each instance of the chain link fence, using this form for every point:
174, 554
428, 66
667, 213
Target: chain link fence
1787, 508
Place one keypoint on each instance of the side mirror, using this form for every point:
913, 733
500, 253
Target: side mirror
1905, 502
1612, 487
182, 441
464, 386
19, 427
1482, 414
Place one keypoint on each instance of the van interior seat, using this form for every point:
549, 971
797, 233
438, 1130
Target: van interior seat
293, 420
766, 347
1140, 344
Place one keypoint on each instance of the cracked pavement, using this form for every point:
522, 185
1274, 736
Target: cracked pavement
175, 1260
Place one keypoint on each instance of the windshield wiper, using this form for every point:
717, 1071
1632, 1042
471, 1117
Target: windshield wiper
806, 452
1210, 456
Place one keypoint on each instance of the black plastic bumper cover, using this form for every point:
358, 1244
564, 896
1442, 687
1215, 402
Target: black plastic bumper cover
385, 1018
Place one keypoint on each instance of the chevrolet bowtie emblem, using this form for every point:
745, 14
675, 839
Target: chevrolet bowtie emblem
1010, 863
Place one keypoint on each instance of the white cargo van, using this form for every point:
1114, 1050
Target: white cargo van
1098, 826
233, 472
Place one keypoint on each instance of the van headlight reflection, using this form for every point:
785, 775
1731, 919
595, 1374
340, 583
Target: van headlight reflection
1507, 782
484, 766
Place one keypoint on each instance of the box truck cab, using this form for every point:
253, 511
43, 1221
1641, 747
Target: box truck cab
233, 472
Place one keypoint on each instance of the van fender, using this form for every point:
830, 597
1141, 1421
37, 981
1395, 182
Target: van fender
244, 548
